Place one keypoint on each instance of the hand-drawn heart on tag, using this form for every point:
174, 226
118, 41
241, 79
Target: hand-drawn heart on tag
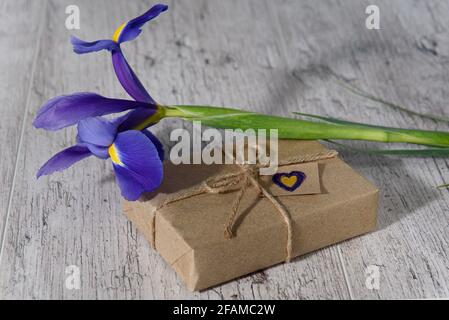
289, 181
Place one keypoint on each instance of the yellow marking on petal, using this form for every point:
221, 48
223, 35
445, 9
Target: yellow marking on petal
289, 181
114, 155
118, 32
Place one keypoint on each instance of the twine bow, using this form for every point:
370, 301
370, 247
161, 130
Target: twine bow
240, 181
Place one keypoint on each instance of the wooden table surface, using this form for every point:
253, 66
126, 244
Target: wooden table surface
269, 56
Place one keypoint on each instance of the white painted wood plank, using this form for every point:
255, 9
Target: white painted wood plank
75, 217
404, 62
19, 39
52, 220
270, 56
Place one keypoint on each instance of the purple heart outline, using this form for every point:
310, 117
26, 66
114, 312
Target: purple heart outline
301, 176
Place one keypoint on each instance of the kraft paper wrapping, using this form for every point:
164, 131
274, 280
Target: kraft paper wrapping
189, 234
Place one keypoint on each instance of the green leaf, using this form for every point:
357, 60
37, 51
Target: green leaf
345, 122
392, 105
289, 128
427, 152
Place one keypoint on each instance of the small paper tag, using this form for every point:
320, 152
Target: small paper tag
295, 179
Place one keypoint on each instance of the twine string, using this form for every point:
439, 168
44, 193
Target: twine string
240, 182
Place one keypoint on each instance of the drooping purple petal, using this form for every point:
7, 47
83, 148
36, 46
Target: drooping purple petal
64, 159
137, 164
128, 78
132, 29
156, 142
97, 131
130, 188
81, 47
64, 111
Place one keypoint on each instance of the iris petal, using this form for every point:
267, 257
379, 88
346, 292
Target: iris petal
64, 159
131, 30
139, 168
130, 189
64, 111
98, 151
156, 142
128, 78
135, 118
97, 131
126, 32
81, 47
124, 123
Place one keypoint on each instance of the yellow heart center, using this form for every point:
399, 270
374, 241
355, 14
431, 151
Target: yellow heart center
289, 181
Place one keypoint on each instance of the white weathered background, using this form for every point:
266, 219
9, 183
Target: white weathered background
269, 56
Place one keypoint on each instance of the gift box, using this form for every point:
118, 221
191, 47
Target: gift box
214, 223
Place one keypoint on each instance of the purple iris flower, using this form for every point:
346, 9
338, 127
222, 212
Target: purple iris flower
67, 110
135, 152
136, 155
126, 32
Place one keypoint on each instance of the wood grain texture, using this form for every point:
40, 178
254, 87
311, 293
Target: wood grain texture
19, 39
395, 63
268, 56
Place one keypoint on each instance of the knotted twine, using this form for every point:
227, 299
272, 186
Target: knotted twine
240, 181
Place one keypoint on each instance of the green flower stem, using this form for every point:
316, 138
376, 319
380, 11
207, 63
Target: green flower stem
288, 128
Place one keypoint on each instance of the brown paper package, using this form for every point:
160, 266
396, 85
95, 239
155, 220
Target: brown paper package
189, 234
